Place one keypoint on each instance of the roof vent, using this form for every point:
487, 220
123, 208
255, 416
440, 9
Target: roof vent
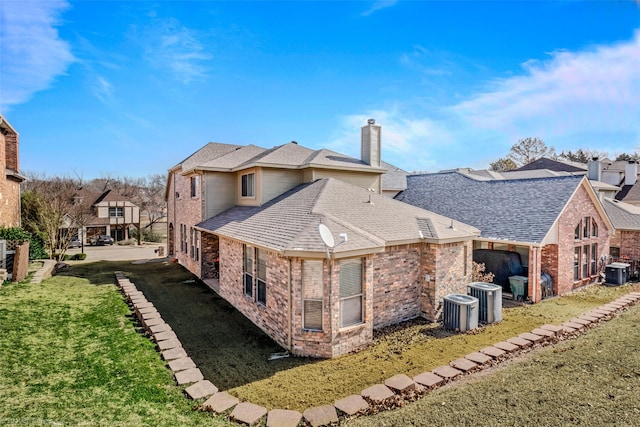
371, 121
294, 142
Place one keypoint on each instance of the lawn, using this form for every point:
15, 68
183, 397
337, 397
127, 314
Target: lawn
74, 354
71, 355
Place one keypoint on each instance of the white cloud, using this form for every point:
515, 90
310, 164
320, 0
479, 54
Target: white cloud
170, 45
32, 53
103, 90
595, 91
379, 4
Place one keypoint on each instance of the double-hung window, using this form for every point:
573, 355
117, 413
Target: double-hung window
351, 295
248, 270
312, 295
585, 254
195, 183
248, 185
261, 277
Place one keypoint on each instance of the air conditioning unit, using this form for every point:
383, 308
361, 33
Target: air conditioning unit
489, 301
617, 273
460, 312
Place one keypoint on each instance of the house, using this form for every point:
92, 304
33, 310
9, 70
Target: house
625, 244
10, 177
556, 224
103, 213
247, 221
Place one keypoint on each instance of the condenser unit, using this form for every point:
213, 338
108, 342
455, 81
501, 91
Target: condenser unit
489, 301
460, 312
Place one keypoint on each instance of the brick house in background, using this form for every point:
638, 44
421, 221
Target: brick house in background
10, 177
625, 245
556, 224
246, 220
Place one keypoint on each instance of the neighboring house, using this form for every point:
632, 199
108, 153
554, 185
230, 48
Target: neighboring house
106, 213
10, 177
246, 220
556, 224
558, 165
625, 245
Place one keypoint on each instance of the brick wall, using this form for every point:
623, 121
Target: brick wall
629, 244
449, 270
578, 207
9, 188
185, 210
396, 291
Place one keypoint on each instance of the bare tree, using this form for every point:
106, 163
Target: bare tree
529, 149
153, 202
583, 156
48, 203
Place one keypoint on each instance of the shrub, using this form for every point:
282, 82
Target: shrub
36, 244
147, 235
79, 257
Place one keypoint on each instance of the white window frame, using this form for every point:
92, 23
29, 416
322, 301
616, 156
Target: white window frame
347, 296
248, 185
194, 186
248, 263
115, 210
261, 276
312, 295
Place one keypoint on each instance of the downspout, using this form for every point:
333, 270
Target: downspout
290, 297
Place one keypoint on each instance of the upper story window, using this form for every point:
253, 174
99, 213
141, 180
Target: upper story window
116, 211
586, 229
195, 184
248, 185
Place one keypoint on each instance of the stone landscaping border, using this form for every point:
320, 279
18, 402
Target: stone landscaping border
394, 393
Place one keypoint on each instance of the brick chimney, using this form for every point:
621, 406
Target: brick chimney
371, 137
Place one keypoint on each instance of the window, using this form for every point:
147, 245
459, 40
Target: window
594, 258
312, 295
192, 248
248, 185
586, 227
351, 296
585, 261
194, 185
248, 270
183, 238
577, 232
197, 246
594, 229
261, 279
116, 211
576, 263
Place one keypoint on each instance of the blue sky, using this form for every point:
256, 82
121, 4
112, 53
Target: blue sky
115, 88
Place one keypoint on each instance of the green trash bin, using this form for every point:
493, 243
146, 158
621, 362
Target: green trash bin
519, 286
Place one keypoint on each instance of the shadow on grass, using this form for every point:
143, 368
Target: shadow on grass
229, 349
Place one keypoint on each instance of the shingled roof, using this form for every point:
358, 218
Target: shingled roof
624, 216
519, 210
290, 222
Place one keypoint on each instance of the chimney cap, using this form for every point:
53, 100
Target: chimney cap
371, 121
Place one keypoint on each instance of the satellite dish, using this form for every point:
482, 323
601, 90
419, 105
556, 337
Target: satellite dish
326, 236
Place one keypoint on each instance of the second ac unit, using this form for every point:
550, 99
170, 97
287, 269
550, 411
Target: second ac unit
489, 299
460, 312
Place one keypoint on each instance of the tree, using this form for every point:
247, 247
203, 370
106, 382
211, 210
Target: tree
529, 149
503, 164
583, 156
46, 207
625, 157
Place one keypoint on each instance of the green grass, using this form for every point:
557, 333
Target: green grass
592, 380
71, 355
72, 352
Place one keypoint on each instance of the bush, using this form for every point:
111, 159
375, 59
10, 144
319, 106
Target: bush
147, 236
79, 257
36, 244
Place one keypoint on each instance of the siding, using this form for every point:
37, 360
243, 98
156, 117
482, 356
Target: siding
219, 192
278, 181
363, 180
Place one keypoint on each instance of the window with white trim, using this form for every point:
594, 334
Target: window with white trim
248, 185
312, 295
194, 184
248, 270
261, 276
594, 258
585, 253
351, 295
116, 211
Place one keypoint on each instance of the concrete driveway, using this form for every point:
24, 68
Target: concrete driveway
120, 252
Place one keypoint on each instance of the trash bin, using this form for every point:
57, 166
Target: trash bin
519, 287
160, 250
